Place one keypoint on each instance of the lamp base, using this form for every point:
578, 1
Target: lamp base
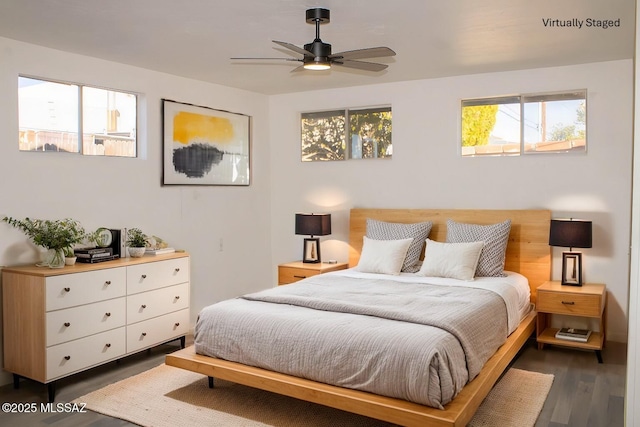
571, 269
311, 251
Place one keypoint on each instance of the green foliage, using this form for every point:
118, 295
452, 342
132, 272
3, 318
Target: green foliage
57, 234
374, 129
136, 238
477, 124
323, 138
563, 133
324, 135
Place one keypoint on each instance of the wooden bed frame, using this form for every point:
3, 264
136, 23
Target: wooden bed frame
528, 253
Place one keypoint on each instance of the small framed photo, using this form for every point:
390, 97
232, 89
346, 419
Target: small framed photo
311, 250
572, 268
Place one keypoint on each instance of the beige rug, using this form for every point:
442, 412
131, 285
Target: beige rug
173, 397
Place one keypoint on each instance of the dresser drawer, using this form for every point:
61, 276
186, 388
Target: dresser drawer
290, 275
77, 322
73, 356
154, 275
573, 304
68, 290
157, 302
157, 330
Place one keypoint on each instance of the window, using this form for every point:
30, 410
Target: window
325, 135
511, 125
53, 115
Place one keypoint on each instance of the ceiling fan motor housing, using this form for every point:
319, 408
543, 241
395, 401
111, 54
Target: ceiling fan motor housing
318, 14
319, 48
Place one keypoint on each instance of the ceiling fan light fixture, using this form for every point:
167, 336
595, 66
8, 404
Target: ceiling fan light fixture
317, 65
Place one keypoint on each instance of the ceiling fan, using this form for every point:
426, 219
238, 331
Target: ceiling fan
317, 54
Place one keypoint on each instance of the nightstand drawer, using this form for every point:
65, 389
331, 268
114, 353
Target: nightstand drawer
569, 303
291, 274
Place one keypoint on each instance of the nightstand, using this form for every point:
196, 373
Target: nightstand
294, 271
589, 300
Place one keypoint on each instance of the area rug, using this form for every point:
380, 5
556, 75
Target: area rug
173, 397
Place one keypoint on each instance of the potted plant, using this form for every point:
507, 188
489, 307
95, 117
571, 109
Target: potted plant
136, 242
58, 236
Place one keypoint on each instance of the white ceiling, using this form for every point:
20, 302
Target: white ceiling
197, 38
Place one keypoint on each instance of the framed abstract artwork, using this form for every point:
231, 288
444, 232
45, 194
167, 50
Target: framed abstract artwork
204, 146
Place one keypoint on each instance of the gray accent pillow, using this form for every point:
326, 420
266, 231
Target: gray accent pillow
495, 238
380, 230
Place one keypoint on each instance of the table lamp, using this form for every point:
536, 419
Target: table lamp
571, 233
312, 225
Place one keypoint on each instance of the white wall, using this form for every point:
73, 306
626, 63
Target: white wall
117, 192
427, 172
633, 346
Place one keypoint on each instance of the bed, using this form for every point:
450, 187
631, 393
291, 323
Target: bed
527, 254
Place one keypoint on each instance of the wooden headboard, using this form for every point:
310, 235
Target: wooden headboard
528, 250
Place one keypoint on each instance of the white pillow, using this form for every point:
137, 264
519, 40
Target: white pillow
452, 260
383, 256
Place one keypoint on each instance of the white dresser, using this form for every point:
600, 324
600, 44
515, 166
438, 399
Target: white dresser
58, 322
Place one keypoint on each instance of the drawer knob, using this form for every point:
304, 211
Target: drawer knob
177, 324
299, 277
67, 357
108, 345
144, 334
144, 306
144, 276
568, 302
108, 282
107, 314
67, 289
67, 324
177, 296
177, 270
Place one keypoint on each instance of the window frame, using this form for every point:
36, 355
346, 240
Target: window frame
80, 115
346, 113
522, 99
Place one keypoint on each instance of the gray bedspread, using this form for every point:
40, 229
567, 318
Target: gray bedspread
412, 341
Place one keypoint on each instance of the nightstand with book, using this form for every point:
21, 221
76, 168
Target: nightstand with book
586, 301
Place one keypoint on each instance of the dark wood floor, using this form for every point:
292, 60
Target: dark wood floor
584, 392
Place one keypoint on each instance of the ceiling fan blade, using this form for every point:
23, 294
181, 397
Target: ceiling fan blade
360, 65
294, 48
297, 69
372, 52
268, 59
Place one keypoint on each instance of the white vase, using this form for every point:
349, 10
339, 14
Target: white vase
70, 260
136, 252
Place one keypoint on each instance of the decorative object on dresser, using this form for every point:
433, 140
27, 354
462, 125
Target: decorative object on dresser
60, 322
587, 301
312, 225
58, 236
157, 246
293, 271
136, 242
571, 233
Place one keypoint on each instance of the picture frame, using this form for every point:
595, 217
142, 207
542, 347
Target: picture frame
205, 146
311, 251
571, 269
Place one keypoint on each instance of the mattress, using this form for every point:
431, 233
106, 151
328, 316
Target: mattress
415, 338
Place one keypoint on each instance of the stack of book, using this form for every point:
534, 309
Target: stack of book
93, 255
151, 251
572, 334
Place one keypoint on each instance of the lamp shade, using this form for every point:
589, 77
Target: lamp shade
313, 224
570, 233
